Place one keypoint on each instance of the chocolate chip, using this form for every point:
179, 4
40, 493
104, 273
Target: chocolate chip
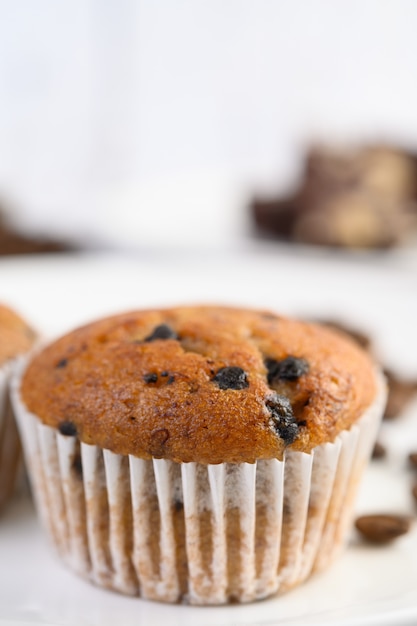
412, 458
163, 331
282, 417
290, 368
379, 451
170, 380
159, 437
231, 378
382, 528
67, 428
62, 363
164, 373
150, 378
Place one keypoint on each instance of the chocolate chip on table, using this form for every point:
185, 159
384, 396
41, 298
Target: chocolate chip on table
290, 369
412, 457
163, 331
67, 428
282, 417
62, 363
231, 378
150, 378
383, 528
379, 451
400, 393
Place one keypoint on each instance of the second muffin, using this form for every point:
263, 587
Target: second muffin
200, 453
16, 338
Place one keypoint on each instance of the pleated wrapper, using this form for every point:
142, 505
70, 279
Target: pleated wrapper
190, 532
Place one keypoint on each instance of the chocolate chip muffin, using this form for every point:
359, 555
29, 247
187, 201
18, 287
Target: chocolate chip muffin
15, 338
203, 454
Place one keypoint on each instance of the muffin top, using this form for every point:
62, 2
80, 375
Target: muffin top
205, 384
15, 335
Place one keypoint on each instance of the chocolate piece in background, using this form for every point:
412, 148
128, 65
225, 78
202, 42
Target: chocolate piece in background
363, 198
13, 242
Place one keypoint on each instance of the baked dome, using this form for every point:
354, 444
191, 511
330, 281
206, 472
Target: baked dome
206, 384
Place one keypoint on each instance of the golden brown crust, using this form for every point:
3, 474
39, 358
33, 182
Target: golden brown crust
15, 335
159, 398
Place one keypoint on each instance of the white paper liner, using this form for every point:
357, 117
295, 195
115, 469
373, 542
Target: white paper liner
203, 534
10, 454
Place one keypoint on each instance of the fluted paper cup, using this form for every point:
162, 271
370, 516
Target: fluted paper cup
203, 534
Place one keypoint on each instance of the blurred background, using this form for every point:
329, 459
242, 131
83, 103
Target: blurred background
138, 125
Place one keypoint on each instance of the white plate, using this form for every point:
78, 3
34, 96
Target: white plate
368, 586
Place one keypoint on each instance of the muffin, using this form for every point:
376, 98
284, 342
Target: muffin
198, 454
15, 338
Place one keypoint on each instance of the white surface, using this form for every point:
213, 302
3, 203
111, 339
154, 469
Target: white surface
368, 585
